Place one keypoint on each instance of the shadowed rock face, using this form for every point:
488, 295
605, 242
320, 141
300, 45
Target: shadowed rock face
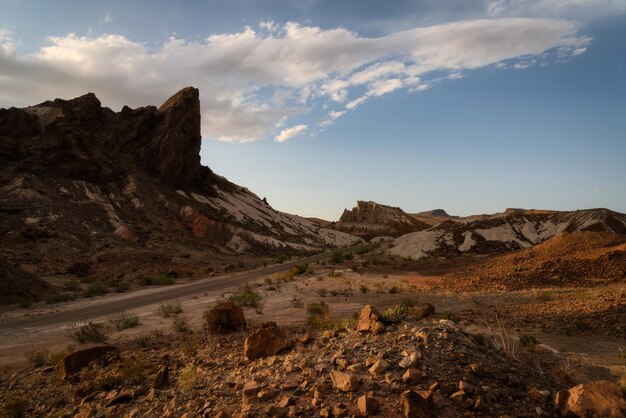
78, 180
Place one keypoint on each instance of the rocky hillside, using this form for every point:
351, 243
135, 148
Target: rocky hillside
433, 217
79, 181
371, 219
574, 259
390, 366
511, 230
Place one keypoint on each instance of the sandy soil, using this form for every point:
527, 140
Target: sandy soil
346, 292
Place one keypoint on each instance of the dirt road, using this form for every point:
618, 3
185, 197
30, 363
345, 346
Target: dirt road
142, 298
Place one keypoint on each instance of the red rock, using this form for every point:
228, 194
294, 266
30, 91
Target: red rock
75, 361
225, 317
594, 399
267, 340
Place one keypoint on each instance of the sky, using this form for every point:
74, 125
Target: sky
470, 106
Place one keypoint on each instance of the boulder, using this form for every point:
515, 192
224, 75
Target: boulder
344, 381
75, 361
594, 399
423, 310
369, 321
225, 317
266, 340
367, 405
414, 405
162, 378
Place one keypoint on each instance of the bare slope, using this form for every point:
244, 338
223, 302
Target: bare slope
511, 230
78, 180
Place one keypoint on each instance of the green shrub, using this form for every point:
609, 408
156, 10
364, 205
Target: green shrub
395, 311
95, 288
181, 323
162, 279
452, 316
246, 297
528, 340
168, 309
72, 285
337, 256
280, 259
348, 256
124, 320
93, 332
319, 316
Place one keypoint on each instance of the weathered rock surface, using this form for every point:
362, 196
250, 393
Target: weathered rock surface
126, 191
369, 321
265, 340
594, 399
370, 219
75, 361
224, 317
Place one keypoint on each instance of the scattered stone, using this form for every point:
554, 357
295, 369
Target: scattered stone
414, 405
379, 367
344, 381
411, 376
250, 391
266, 340
369, 321
225, 317
367, 405
75, 361
162, 377
594, 399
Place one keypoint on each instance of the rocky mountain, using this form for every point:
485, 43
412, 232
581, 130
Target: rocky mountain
82, 183
510, 230
434, 217
371, 219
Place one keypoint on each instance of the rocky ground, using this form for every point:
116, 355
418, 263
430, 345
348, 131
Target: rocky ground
410, 367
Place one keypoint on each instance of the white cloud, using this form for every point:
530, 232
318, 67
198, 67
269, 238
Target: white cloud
288, 133
106, 19
268, 25
249, 81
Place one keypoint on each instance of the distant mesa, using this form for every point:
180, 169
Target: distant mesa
370, 219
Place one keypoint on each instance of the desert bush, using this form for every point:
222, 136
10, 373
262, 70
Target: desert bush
180, 323
161, 279
134, 369
394, 289
95, 288
348, 256
38, 356
320, 316
452, 316
246, 297
72, 285
152, 339
337, 256
364, 289
395, 311
188, 377
25, 302
543, 296
259, 305
281, 258
528, 340
268, 281
385, 276
93, 332
322, 292
296, 302
168, 309
124, 320
408, 302
15, 405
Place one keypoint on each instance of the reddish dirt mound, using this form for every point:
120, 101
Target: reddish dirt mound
575, 259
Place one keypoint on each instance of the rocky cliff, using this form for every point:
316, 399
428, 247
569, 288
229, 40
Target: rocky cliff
82, 183
371, 219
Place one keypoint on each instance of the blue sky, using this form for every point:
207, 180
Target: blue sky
468, 106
